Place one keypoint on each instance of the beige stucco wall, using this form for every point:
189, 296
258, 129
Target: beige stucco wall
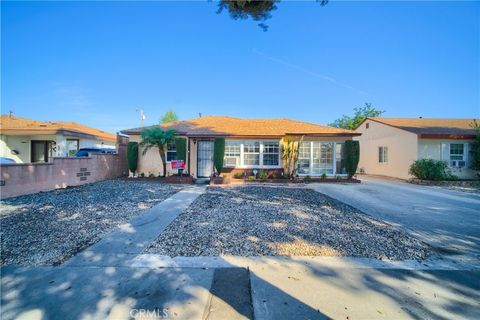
432, 149
151, 163
402, 149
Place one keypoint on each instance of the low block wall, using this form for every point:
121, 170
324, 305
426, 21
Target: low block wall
20, 179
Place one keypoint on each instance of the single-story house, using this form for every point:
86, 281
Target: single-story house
249, 144
388, 146
25, 140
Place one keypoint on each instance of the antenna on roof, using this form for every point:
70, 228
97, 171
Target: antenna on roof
199, 114
142, 116
10, 114
420, 117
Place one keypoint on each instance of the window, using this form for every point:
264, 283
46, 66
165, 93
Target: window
322, 159
383, 154
171, 152
72, 147
340, 165
457, 155
304, 158
251, 153
271, 152
232, 153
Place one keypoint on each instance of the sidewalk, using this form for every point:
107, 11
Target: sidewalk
271, 288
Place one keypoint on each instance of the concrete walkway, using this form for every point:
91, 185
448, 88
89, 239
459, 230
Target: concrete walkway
134, 237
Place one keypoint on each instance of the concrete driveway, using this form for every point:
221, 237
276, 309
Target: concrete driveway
449, 220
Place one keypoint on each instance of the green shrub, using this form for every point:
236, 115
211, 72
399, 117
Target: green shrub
181, 147
132, 156
251, 177
429, 169
262, 174
238, 175
324, 176
218, 153
352, 156
307, 177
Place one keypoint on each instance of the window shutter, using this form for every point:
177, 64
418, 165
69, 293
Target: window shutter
466, 155
445, 152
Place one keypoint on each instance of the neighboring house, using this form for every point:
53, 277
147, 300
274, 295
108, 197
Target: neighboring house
249, 144
388, 146
26, 140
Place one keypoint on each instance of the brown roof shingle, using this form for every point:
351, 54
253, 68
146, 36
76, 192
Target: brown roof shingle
432, 127
231, 127
13, 125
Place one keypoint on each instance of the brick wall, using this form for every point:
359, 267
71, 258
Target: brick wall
26, 178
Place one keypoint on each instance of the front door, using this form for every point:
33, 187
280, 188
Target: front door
204, 159
39, 151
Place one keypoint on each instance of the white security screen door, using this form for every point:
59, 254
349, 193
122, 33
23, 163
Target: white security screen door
204, 159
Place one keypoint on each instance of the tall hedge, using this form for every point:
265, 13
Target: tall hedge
132, 156
181, 145
218, 153
352, 156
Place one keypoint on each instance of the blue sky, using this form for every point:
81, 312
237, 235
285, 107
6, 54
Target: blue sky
97, 62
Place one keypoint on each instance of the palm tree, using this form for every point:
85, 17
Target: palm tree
156, 137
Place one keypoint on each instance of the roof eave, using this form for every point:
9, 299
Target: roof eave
446, 136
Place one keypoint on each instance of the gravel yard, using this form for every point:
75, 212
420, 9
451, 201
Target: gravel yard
48, 228
254, 220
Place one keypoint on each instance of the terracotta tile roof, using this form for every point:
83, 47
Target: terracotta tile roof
432, 127
13, 125
231, 127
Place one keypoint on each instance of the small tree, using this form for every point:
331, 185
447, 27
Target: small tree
352, 156
218, 153
132, 156
169, 116
475, 149
290, 156
156, 137
351, 123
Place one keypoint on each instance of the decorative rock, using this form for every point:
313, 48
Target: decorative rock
48, 228
255, 220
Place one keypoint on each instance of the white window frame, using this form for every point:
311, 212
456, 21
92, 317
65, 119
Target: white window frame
167, 151
260, 165
248, 143
239, 144
334, 159
382, 154
456, 161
